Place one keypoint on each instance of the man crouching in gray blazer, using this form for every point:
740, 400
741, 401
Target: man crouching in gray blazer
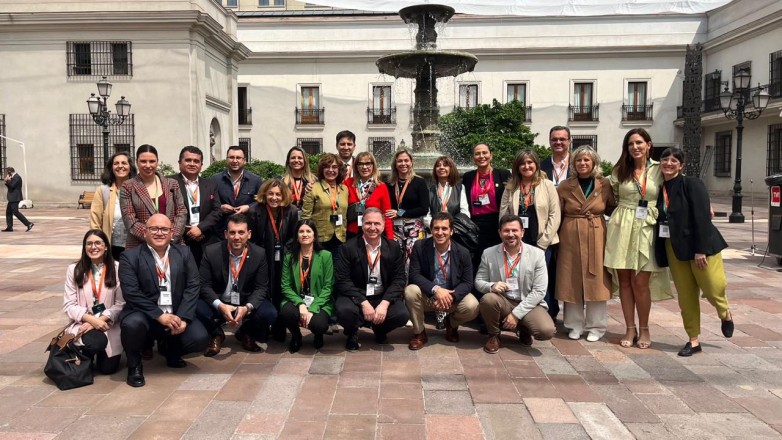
513, 278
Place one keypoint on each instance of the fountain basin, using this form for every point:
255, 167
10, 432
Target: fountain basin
442, 62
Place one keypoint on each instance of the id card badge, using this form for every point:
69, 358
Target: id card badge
513, 283
277, 252
339, 220
525, 222
398, 222
484, 199
360, 220
308, 299
195, 216
97, 309
641, 212
165, 296
371, 286
665, 232
235, 297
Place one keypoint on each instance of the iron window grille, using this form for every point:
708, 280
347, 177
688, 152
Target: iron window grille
246, 144
382, 148
775, 74
578, 140
86, 141
774, 152
100, 58
723, 143
310, 145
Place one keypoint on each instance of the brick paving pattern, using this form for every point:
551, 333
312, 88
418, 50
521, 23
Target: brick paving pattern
557, 389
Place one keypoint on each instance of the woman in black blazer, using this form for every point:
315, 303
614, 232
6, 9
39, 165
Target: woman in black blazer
692, 246
484, 188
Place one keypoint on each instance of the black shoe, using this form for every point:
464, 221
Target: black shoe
352, 344
7, 230
381, 338
135, 377
176, 362
30, 226
525, 338
278, 332
727, 328
482, 329
318, 341
689, 350
295, 343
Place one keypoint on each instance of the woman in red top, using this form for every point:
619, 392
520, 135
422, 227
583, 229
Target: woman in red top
366, 191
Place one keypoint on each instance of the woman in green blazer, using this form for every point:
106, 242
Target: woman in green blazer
307, 281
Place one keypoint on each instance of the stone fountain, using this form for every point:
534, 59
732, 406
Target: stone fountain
425, 64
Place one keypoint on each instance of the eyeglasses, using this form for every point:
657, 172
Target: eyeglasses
156, 229
97, 244
364, 164
559, 140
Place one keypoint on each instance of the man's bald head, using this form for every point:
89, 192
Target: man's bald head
159, 232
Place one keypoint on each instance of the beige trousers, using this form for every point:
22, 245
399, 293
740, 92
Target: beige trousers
494, 309
418, 303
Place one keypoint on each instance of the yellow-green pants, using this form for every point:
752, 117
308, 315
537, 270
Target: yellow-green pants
689, 281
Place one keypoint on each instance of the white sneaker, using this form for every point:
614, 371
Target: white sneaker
591, 337
574, 334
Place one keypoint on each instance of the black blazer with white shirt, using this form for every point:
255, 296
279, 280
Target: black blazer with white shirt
208, 207
352, 270
253, 282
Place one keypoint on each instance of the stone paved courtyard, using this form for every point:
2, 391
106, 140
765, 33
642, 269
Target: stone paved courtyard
560, 389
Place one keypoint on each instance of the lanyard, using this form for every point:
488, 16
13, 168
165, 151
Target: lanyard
234, 271
510, 269
296, 186
365, 190
192, 194
563, 169
237, 184
642, 189
443, 263
161, 274
274, 223
444, 194
527, 198
401, 196
372, 264
302, 273
665, 198
96, 290
348, 168
488, 183
332, 196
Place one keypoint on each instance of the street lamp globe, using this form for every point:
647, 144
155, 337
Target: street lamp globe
760, 99
741, 80
123, 107
726, 99
104, 88
93, 104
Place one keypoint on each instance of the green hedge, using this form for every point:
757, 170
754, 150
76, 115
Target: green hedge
264, 168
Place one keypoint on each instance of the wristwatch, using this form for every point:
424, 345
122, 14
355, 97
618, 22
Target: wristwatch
249, 307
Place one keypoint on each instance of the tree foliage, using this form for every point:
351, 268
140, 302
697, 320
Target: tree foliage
264, 168
498, 125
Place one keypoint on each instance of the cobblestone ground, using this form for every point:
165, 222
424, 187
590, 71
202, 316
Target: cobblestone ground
557, 389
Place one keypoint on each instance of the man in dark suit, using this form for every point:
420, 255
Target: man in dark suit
370, 278
440, 280
14, 184
160, 285
203, 202
235, 288
236, 186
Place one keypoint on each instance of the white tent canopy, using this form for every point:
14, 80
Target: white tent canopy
540, 8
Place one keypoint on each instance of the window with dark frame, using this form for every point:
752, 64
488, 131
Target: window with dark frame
99, 58
310, 112
711, 91
636, 108
271, 2
382, 111
774, 151
231, 3
775, 74
578, 140
382, 148
468, 96
86, 145
245, 112
246, 144
723, 143
310, 145
583, 107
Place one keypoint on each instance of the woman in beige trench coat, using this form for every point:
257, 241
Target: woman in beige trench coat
583, 284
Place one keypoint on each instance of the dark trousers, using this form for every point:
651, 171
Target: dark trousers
11, 210
551, 264
351, 318
136, 327
289, 315
253, 325
95, 343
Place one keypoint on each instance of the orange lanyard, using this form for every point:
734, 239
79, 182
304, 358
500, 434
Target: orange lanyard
488, 183
332, 196
372, 264
509, 269
274, 223
401, 196
528, 196
642, 189
237, 184
194, 194
161, 274
444, 195
234, 271
96, 290
297, 187
443, 262
302, 273
665, 198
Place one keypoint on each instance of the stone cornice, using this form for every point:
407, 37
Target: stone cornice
218, 104
744, 33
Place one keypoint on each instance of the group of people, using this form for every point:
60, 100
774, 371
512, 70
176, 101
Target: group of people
173, 260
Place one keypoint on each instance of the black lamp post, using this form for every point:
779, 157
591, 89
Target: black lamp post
737, 106
101, 113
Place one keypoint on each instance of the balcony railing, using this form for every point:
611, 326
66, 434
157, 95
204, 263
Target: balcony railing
310, 116
584, 113
381, 116
711, 104
246, 116
637, 112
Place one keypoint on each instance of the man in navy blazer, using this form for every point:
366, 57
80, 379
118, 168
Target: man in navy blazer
161, 286
236, 186
440, 279
203, 202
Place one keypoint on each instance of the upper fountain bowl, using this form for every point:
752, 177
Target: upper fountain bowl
418, 13
442, 62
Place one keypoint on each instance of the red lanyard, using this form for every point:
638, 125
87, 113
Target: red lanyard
238, 184
488, 183
509, 270
372, 264
296, 187
303, 274
527, 197
234, 271
161, 274
193, 195
642, 189
443, 262
332, 196
665, 198
444, 195
96, 290
401, 196
274, 223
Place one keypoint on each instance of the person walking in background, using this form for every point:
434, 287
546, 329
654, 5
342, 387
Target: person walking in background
105, 210
14, 184
636, 181
691, 246
583, 283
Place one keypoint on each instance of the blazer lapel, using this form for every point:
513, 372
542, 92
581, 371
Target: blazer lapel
145, 197
499, 257
227, 262
575, 189
176, 265
149, 261
183, 189
248, 263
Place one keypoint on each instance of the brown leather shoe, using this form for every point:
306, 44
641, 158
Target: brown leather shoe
418, 341
451, 333
247, 342
493, 345
214, 346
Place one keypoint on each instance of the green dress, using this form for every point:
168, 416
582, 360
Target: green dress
630, 241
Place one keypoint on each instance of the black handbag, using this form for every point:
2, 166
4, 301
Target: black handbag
67, 366
465, 232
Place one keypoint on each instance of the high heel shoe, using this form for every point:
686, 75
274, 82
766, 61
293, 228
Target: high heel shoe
627, 343
643, 344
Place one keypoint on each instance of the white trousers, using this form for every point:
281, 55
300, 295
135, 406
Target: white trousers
592, 317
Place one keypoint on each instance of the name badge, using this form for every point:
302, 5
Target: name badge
235, 297
400, 213
484, 199
165, 296
370, 289
513, 283
360, 220
398, 222
308, 299
277, 252
195, 209
641, 212
525, 222
336, 219
97, 309
665, 232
